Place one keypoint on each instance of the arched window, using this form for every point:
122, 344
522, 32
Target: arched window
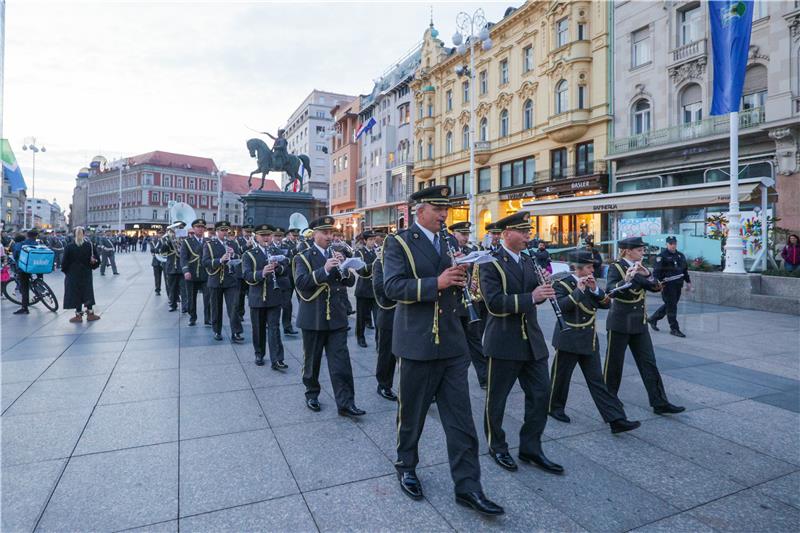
448, 142
562, 96
484, 129
465, 138
419, 151
691, 104
642, 121
504, 123
527, 114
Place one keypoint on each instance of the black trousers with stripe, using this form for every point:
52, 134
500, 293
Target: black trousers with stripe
334, 343
608, 405
642, 349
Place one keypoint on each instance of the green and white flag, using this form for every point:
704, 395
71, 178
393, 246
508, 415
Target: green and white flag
11, 170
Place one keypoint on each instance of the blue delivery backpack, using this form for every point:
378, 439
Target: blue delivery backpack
36, 259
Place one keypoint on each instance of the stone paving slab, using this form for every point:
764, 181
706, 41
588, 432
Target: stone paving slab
138, 422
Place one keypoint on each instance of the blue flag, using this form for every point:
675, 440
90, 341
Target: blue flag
11, 170
731, 23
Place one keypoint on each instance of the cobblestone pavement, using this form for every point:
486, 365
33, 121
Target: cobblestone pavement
138, 421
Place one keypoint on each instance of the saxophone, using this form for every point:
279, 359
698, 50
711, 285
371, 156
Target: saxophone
476, 291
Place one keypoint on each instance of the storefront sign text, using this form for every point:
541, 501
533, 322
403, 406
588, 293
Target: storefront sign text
604, 207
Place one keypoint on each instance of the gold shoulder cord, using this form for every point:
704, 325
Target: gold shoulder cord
377, 300
504, 283
263, 282
196, 256
211, 253
639, 293
591, 322
316, 293
409, 255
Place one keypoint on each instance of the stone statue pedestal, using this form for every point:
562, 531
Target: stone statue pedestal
271, 207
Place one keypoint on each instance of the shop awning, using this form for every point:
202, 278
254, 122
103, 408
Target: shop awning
668, 197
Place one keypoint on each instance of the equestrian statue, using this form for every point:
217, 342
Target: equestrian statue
278, 160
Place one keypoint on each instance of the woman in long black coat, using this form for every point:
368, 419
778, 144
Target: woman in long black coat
80, 258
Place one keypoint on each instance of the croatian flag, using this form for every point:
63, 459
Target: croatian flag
11, 170
731, 24
365, 127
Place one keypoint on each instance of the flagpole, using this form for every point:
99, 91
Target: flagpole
734, 257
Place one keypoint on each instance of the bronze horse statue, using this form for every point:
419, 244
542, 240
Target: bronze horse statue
265, 158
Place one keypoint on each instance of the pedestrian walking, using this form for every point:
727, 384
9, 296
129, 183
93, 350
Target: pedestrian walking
80, 258
791, 254
670, 264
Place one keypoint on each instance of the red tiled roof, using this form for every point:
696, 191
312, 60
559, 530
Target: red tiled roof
168, 159
238, 184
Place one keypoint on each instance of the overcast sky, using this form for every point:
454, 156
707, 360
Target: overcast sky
122, 78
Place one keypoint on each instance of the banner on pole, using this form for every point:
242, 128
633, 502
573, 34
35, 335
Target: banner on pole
731, 22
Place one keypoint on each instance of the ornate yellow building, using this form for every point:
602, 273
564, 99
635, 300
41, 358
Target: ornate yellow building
542, 115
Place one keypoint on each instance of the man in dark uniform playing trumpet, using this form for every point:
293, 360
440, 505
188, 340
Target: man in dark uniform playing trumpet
194, 275
627, 283
579, 298
433, 355
322, 318
514, 345
222, 281
262, 273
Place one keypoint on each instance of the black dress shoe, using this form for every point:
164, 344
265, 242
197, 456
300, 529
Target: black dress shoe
22, 311
237, 338
158, 293
289, 331
621, 426
653, 324
313, 404
668, 409
387, 394
217, 336
410, 484
279, 365
173, 309
560, 416
484, 386
259, 359
352, 411
370, 326
479, 502
351, 313
542, 462
362, 342
505, 460
207, 324
677, 333
193, 322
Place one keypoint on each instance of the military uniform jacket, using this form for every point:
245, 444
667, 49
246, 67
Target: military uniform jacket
284, 279
512, 331
628, 313
426, 321
220, 275
261, 290
240, 245
191, 258
671, 264
155, 247
322, 295
106, 245
168, 248
386, 307
579, 308
364, 282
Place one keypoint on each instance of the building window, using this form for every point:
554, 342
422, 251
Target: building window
754, 92
449, 99
558, 163
155, 214
584, 159
405, 114
191, 183
147, 178
504, 72
484, 129
641, 49
459, 184
759, 9
430, 149
562, 29
155, 197
581, 97
562, 97
430, 109
465, 138
166, 181
527, 58
484, 179
691, 100
527, 114
344, 163
504, 123
582, 31
465, 92
448, 143
179, 182
483, 79
691, 25
641, 117
505, 175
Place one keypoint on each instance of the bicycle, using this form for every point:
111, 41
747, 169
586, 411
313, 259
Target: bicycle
40, 291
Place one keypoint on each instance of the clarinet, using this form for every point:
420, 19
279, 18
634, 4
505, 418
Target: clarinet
274, 274
562, 324
466, 295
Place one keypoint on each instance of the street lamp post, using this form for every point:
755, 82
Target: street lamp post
465, 40
30, 144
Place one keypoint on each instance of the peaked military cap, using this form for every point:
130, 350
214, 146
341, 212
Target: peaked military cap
222, 224
368, 234
461, 227
581, 257
631, 242
294, 230
248, 227
278, 231
672, 239
436, 195
322, 223
199, 222
491, 227
264, 229
519, 220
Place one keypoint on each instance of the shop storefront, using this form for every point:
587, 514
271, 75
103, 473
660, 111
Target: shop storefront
458, 212
143, 228
349, 223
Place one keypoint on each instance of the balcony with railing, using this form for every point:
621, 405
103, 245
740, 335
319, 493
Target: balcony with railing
423, 168
687, 52
700, 130
585, 169
399, 162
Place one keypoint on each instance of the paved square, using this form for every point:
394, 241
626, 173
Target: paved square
138, 421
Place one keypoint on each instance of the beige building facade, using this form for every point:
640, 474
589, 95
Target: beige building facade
542, 109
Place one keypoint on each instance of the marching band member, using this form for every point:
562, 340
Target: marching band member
194, 275
627, 325
283, 247
222, 281
365, 298
172, 267
384, 369
244, 242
